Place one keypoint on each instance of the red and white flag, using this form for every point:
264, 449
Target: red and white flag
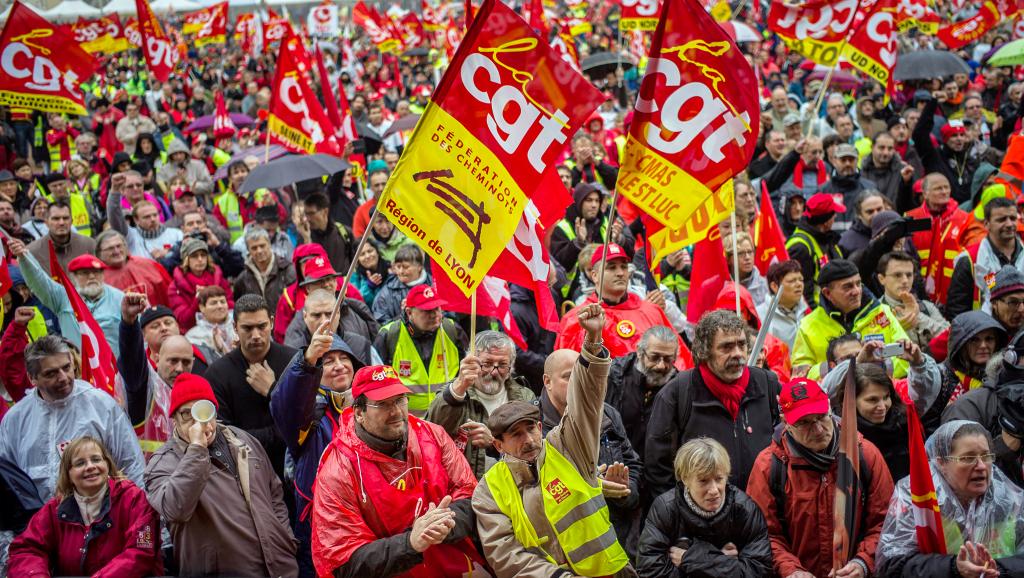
768, 236
492, 300
161, 55
223, 126
297, 121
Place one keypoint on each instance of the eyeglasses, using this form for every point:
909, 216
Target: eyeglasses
971, 460
806, 424
745, 254
134, 186
489, 367
1014, 303
387, 407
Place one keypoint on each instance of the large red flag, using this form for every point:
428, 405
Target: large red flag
41, 67
959, 34
161, 55
6, 284
99, 366
872, 47
376, 27
330, 103
297, 121
925, 504
815, 29
768, 236
708, 274
492, 300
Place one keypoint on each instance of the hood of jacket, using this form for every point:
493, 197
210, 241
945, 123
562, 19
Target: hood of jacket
177, 146
967, 325
727, 300
304, 251
152, 140
981, 174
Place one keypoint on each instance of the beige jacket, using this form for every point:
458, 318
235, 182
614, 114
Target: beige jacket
577, 438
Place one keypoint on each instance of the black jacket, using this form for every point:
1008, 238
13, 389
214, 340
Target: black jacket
739, 521
958, 167
889, 180
856, 238
337, 242
850, 186
890, 437
628, 394
829, 244
281, 276
539, 341
685, 409
241, 406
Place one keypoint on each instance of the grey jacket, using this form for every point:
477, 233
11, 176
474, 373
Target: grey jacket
196, 175
930, 321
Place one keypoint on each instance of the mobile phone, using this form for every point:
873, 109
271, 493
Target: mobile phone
891, 350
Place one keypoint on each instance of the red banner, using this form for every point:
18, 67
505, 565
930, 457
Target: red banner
431, 21
960, 34
414, 32
696, 118
161, 54
132, 34
296, 120
815, 29
872, 47
376, 27
492, 300
275, 30
768, 236
42, 66
931, 538
246, 29
639, 15
210, 25
564, 44
102, 35
917, 14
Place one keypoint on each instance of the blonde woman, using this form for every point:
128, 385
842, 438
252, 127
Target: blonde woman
99, 524
704, 527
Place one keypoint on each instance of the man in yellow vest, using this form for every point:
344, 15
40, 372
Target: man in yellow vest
423, 347
540, 510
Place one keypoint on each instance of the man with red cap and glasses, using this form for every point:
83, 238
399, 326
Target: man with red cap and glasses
225, 511
794, 483
813, 242
392, 497
628, 315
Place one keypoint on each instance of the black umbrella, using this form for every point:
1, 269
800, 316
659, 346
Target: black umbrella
292, 169
929, 64
407, 122
603, 63
417, 51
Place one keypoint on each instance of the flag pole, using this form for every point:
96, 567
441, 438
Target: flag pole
266, 148
472, 324
336, 313
604, 251
735, 263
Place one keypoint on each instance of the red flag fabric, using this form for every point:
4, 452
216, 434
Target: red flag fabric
246, 31
959, 34
535, 17
104, 35
99, 366
526, 262
917, 14
376, 27
212, 25
431, 21
848, 490
275, 30
872, 46
815, 29
931, 539
132, 34
639, 14
709, 267
161, 55
5, 275
330, 103
297, 121
565, 45
768, 236
414, 32
492, 300
223, 126
42, 66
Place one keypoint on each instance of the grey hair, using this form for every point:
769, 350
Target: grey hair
108, 234
321, 294
256, 232
497, 340
660, 333
709, 326
42, 348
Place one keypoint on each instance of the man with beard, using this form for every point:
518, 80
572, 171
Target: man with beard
900, 128
722, 399
130, 273
975, 269
485, 383
953, 158
846, 181
635, 380
9, 221
86, 272
148, 386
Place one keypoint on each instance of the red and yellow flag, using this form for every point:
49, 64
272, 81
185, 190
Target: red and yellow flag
161, 54
376, 27
931, 539
132, 34
499, 119
104, 35
768, 236
639, 14
917, 14
41, 67
696, 118
815, 29
959, 34
297, 121
210, 25
275, 30
872, 47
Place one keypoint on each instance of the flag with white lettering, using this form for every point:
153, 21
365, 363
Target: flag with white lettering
816, 29
297, 121
161, 54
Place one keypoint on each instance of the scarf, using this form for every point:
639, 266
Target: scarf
729, 394
90, 506
697, 509
154, 234
820, 461
798, 173
391, 448
965, 383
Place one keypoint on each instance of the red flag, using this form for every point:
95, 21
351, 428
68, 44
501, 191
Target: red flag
535, 16
639, 14
848, 490
917, 14
931, 539
161, 56
376, 28
431, 21
815, 29
212, 26
223, 126
101, 35
296, 120
132, 34
330, 103
492, 300
711, 269
5, 275
99, 366
872, 46
959, 34
42, 67
565, 45
414, 33
768, 236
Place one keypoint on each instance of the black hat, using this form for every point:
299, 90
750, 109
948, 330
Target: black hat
835, 270
54, 178
153, 313
267, 213
509, 414
6, 175
895, 120
1011, 408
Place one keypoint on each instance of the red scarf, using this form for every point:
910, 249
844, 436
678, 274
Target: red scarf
729, 394
798, 173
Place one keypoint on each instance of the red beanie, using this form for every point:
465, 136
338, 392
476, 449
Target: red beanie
190, 387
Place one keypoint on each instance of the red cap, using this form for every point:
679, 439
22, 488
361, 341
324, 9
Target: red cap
822, 204
951, 128
802, 397
807, 65
180, 192
377, 382
190, 387
422, 90
424, 297
614, 252
86, 262
317, 269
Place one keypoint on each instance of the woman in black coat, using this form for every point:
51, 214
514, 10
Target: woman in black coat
704, 527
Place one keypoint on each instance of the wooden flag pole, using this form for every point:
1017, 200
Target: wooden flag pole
336, 314
604, 251
266, 149
735, 263
472, 324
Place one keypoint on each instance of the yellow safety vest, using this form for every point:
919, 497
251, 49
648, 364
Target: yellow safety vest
424, 382
817, 329
801, 237
576, 510
570, 233
79, 213
56, 164
227, 202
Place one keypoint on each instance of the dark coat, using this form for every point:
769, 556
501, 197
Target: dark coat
282, 274
337, 241
958, 167
685, 409
850, 186
856, 238
888, 179
539, 341
739, 521
241, 406
628, 394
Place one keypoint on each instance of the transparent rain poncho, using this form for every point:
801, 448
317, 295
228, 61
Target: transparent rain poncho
993, 520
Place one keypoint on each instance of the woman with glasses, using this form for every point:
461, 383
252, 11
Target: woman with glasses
981, 513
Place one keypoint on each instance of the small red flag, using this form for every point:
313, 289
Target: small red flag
492, 300
330, 103
925, 505
709, 268
223, 126
161, 55
768, 236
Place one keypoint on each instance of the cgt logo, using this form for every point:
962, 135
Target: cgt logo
19, 61
559, 491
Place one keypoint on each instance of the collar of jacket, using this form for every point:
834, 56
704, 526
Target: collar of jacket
68, 510
868, 302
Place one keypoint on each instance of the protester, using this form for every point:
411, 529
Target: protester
196, 272
409, 271
354, 323
67, 244
921, 319
129, 272
785, 277
814, 243
1001, 247
214, 329
266, 273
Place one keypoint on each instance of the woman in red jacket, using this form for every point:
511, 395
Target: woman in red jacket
196, 271
99, 524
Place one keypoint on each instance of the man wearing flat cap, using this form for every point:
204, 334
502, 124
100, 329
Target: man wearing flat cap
541, 510
846, 306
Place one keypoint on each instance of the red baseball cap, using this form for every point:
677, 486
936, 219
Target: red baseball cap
317, 269
424, 297
802, 397
821, 204
86, 262
614, 252
953, 127
378, 382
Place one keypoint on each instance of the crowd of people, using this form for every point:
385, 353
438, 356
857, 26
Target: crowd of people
265, 424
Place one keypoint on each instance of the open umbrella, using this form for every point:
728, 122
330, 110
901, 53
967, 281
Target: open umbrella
929, 64
407, 122
206, 122
258, 151
603, 63
841, 79
292, 169
1009, 54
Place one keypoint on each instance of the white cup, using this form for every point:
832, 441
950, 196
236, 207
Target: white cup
204, 411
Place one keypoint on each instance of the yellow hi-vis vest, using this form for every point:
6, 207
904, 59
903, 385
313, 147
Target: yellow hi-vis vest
227, 202
576, 510
423, 382
79, 213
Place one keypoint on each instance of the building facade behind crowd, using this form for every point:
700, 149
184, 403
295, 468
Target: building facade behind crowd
265, 424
